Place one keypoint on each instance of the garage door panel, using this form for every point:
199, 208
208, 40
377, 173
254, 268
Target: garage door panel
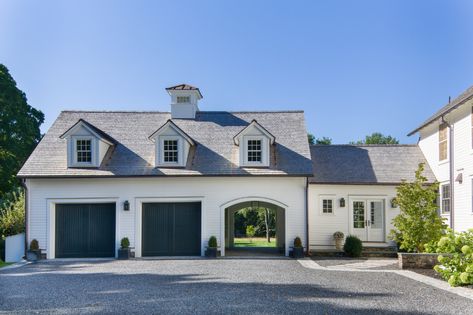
171, 229
85, 230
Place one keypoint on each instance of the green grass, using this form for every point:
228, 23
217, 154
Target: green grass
3, 264
254, 242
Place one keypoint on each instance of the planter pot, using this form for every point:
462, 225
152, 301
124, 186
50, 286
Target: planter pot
33, 255
339, 243
124, 253
211, 252
298, 252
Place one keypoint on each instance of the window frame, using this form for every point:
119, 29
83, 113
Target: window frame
264, 148
179, 151
183, 96
93, 158
442, 199
322, 201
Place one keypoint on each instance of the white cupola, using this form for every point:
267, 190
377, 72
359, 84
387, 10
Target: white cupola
184, 101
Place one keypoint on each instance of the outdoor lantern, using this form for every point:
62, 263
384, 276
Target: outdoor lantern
342, 202
393, 203
126, 205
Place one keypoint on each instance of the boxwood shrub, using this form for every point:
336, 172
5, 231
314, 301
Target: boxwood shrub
353, 246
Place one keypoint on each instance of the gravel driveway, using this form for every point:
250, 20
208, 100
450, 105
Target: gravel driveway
214, 286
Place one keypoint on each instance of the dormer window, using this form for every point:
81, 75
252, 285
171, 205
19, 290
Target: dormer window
254, 151
84, 151
183, 99
170, 151
255, 145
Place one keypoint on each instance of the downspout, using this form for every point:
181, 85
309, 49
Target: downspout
451, 171
23, 183
307, 215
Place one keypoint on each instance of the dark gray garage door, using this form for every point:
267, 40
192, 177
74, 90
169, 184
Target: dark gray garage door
85, 230
171, 229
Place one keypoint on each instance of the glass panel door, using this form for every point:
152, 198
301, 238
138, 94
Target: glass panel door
375, 222
359, 221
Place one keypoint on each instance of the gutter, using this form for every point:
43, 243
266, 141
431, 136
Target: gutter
451, 172
23, 184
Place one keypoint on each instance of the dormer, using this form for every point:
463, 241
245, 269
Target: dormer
184, 101
86, 145
255, 143
172, 145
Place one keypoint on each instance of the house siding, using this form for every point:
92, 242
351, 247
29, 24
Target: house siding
215, 193
463, 162
322, 226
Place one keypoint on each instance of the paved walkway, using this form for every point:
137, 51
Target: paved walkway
229, 286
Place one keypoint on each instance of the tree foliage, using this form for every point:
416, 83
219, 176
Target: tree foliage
12, 214
323, 140
378, 138
418, 222
311, 138
19, 130
262, 219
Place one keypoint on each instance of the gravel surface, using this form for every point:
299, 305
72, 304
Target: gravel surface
188, 286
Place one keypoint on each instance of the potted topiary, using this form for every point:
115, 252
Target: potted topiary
34, 253
124, 250
297, 250
338, 237
353, 246
212, 247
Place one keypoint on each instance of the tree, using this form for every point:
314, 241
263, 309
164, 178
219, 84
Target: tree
19, 130
418, 223
323, 140
378, 138
12, 214
250, 232
311, 138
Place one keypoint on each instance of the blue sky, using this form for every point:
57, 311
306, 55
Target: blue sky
354, 67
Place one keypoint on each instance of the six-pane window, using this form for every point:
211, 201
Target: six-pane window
170, 151
84, 151
446, 198
443, 142
254, 151
183, 99
327, 206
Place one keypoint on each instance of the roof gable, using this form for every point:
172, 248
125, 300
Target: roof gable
171, 125
254, 125
81, 123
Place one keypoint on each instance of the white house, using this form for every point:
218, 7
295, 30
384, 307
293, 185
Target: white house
353, 188
167, 181
446, 139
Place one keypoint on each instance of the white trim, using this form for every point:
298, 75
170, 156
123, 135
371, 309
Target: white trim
94, 151
259, 127
265, 152
51, 219
177, 199
71, 132
233, 202
180, 149
321, 204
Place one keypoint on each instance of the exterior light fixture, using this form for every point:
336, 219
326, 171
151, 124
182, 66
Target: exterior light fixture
342, 202
393, 203
126, 205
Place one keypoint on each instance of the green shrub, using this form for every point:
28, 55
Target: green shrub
456, 266
353, 246
212, 242
12, 214
125, 243
418, 222
297, 242
34, 245
250, 231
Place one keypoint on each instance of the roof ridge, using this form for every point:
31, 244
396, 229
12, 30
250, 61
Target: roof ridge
167, 112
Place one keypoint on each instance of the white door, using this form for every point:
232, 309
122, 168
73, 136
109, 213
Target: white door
367, 220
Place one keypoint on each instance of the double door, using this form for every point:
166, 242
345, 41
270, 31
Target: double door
367, 219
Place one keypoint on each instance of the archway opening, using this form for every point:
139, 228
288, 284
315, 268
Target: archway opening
254, 228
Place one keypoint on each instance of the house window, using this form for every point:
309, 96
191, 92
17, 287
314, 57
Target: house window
170, 151
183, 99
446, 201
84, 151
327, 206
254, 151
443, 142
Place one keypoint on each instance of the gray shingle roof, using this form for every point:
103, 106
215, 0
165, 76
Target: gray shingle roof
462, 98
215, 153
366, 164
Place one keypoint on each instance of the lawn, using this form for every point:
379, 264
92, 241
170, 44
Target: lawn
254, 242
3, 264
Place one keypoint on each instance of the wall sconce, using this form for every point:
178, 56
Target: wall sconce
393, 203
126, 205
342, 202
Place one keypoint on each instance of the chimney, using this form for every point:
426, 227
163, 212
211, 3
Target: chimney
184, 101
